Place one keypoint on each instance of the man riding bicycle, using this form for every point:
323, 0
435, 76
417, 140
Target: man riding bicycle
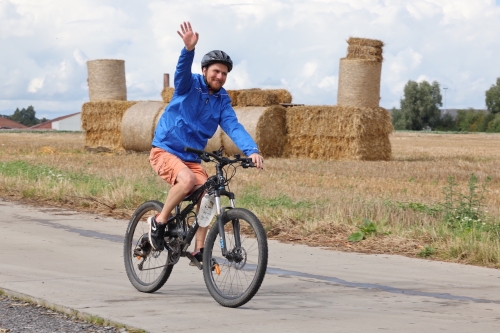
198, 106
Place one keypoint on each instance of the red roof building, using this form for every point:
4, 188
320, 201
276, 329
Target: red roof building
10, 124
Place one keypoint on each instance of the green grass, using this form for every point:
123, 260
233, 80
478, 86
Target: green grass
36, 180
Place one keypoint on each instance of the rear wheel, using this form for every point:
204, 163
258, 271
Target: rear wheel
233, 280
146, 269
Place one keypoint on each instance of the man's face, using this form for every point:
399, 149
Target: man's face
216, 75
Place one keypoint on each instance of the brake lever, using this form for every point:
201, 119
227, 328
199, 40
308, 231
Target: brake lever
247, 163
205, 157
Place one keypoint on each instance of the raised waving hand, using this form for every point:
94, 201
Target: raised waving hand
189, 37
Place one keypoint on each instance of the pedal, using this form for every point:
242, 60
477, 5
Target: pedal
194, 261
215, 267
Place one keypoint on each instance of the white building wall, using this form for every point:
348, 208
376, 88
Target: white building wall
73, 123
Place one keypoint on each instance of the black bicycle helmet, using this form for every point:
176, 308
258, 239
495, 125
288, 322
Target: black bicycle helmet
217, 57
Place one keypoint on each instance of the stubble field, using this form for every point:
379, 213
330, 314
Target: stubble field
438, 198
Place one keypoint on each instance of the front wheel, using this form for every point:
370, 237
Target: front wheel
146, 269
233, 280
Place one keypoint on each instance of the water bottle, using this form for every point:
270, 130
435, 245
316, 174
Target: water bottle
207, 210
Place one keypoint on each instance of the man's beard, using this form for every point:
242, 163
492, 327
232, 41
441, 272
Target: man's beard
209, 86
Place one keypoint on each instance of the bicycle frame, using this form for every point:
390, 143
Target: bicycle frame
220, 190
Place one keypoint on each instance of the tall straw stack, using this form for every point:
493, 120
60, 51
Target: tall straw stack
102, 123
360, 72
266, 125
106, 80
338, 133
139, 124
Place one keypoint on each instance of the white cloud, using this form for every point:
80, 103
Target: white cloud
274, 43
309, 69
329, 82
35, 85
239, 78
80, 57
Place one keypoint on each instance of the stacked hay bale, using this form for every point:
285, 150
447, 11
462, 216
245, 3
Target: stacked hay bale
359, 73
166, 94
102, 123
259, 97
338, 133
357, 128
102, 116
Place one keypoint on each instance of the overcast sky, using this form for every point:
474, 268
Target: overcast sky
296, 45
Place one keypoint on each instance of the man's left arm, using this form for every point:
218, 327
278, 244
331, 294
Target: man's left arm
232, 127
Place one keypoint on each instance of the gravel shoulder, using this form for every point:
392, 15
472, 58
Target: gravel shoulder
23, 315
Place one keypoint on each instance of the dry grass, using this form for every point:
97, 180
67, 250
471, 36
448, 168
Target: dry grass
314, 202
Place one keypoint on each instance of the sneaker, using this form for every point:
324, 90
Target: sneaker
156, 233
198, 256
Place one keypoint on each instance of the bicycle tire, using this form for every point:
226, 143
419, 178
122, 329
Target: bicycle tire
237, 282
155, 272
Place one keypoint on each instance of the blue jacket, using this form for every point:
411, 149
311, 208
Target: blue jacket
192, 116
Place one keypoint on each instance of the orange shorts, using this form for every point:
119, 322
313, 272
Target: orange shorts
168, 166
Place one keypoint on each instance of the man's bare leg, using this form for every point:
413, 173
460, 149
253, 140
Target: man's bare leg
184, 184
201, 233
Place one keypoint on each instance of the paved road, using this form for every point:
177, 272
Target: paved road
75, 260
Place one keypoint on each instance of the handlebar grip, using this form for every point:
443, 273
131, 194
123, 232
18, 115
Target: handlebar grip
192, 150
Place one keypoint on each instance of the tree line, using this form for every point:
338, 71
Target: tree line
419, 110
25, 116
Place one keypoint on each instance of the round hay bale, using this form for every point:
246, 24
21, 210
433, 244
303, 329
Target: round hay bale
106, 80
215, 142
359, 83
158, 116
138, 125
266, 125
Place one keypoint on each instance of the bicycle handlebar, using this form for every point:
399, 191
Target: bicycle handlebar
205, 156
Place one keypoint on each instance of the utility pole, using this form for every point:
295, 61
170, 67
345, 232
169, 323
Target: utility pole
445, 109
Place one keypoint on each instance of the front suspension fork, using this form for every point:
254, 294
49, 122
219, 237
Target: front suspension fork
220, 223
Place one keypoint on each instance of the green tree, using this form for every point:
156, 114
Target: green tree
494, 125
446, 123
398, 119
493, 98
26, 116
420, 105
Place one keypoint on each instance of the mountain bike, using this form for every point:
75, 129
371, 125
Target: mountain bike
235, 251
